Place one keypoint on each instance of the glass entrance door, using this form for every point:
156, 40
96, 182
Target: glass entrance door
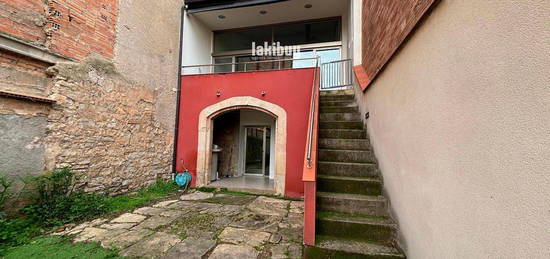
257, 150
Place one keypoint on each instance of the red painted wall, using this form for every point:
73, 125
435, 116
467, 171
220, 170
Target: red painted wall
290, 89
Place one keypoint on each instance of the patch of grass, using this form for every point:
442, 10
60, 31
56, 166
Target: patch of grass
14, 232
206, 189
144, 196
231, 199
56, 203
60, 248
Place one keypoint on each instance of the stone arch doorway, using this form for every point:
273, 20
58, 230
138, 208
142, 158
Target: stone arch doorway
206, 129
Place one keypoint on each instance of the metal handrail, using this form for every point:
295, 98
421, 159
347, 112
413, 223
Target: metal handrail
312, 116
251, 62
338, 61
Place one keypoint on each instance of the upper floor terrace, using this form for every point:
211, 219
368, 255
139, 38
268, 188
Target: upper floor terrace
231, 36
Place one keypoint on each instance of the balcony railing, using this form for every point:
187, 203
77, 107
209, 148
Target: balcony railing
336, 75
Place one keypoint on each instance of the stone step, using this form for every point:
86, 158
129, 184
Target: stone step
337, 103
332, 248
341, 125
351, 116
348, 156
353, 144
347, 169
379, 230
338, 109
352, 185
342, 133
347, 94
351, 203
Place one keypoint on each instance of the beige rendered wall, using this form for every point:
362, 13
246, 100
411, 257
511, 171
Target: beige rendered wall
460, 123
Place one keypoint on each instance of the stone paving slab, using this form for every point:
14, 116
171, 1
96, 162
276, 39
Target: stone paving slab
126, 239
196, 196
297, 207
153, 246
89, 233
149, 211
164, 204
155, 222
226, 251
129, 218
239, 236
269, 206
205, 225
117, 225
191, 248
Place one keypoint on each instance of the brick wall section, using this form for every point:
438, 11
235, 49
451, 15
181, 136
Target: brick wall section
74, 28
22, 63
79, 28
385, 25
25, 19
23, 75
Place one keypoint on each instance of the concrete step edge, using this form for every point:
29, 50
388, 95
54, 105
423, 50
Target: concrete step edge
347, 196
357, 247
350, 178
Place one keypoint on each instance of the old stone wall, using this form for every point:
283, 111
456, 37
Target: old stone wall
103, 127
113, 120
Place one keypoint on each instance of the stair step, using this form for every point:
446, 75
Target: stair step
380, 230
331, 248
350, 116
338, 109
351, 203
341, 125
337, 95
352, 185
347, 169
337, 103
353, 144
342, 133
350, 156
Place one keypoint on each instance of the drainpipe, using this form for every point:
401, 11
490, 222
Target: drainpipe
178, 93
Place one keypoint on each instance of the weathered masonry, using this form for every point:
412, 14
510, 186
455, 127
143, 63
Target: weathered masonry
89, 85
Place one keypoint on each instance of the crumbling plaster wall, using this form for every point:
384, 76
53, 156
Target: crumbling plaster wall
22, 130
147, 50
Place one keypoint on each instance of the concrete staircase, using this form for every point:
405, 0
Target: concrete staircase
352, 215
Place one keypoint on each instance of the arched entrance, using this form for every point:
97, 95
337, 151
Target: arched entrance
277, 163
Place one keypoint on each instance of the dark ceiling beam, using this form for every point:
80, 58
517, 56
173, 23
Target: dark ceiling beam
198, 6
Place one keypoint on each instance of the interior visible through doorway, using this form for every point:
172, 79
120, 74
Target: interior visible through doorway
258, 140
243, 150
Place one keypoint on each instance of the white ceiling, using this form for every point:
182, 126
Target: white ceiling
286, 11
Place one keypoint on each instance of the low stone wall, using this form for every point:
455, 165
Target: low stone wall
103, 127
